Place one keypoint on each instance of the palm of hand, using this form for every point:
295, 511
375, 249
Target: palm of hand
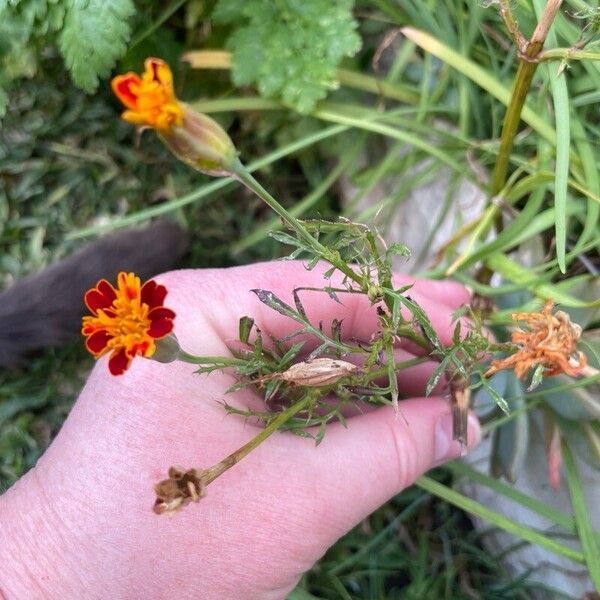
262, 523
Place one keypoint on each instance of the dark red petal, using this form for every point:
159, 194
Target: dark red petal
97, 341
102, 296
106, 289
119, 361
161, 312
89, 329
153, 294
160, 328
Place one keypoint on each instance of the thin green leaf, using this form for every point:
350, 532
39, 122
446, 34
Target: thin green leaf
583, 521
560, 97
496, 519
245, 327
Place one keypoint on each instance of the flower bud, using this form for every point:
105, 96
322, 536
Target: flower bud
374, 293
201, 143
315, 373
167, 349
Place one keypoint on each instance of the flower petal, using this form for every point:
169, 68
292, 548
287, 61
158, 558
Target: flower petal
160, 70
118, 362
122, 87
160, 328
129, 284
161, 312
100, 297
153, 294
144, 348
97, 342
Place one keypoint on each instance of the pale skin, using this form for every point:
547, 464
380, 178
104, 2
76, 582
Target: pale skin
80, 524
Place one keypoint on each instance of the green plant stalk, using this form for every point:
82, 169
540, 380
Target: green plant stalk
217, 470
184, 356
525, 72
244, 176
523, 79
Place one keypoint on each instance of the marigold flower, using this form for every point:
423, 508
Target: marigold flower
150, 99
551, 341
126, 321
194, 138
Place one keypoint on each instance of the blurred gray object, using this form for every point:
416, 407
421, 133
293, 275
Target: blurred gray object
45, 309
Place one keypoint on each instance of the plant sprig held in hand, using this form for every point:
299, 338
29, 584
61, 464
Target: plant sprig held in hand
297, 386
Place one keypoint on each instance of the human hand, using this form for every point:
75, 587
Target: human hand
80, 525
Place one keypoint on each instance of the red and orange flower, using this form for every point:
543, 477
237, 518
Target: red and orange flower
126, 321
193, 137
150, 99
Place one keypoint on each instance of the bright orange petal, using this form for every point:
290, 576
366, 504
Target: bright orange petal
159, 71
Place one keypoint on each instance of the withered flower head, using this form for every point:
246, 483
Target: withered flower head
550, 340
181, 488
314, 373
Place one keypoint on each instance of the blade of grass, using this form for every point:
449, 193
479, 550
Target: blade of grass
560, 97
408, 512
391, 132
522, 276
221, 59
169, 10
494, 518
478, 75
509, 491
592, 180
210, 188
582, 517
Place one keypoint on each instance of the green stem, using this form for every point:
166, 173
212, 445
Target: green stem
184, 356
525, 72
215, 471
242, 174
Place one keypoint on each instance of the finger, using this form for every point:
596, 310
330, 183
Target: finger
212, 301
375, 456
450, 293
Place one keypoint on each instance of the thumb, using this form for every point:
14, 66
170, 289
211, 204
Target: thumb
379, 453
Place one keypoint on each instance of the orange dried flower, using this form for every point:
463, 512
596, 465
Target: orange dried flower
551, 341
192, 137
126, 321
150, 99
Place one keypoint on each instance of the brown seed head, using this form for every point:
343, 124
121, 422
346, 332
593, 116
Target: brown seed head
181, 488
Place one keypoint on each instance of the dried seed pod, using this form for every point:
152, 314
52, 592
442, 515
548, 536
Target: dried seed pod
314, 373
181, 488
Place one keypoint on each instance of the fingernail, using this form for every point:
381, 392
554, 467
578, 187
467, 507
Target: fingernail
445, 447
